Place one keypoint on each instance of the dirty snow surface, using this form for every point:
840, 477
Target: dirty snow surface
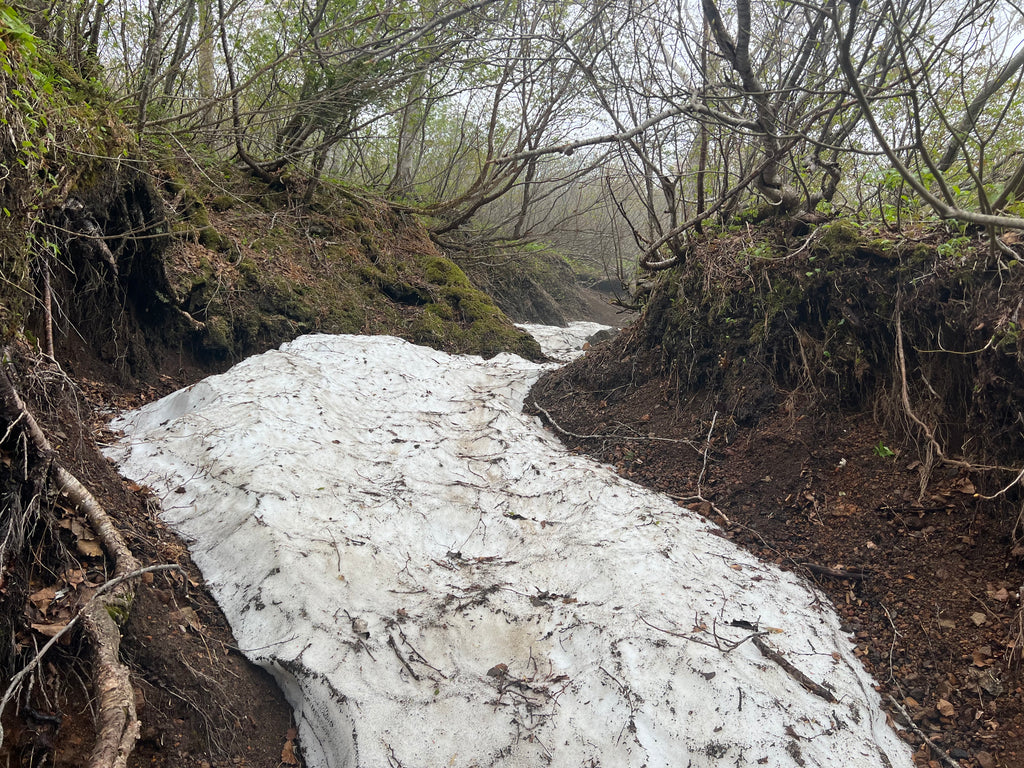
435, 581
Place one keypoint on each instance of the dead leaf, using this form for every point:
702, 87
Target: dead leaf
966, 487
43, 598
945, 708
288, 753
984, 680
946, 623
843, 510
186, 617
74, 525
1001, 595
49, 630
978, 618
498, 670
89, 548
982, 656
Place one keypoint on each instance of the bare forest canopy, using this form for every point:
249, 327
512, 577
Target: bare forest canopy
610, 127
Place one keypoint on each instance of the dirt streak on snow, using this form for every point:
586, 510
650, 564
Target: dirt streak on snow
385, 528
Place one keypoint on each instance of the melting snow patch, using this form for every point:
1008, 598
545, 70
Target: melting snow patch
435, 581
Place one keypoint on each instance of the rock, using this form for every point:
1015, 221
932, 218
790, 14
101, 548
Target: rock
604, 335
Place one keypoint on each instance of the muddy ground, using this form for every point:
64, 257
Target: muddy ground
927, 585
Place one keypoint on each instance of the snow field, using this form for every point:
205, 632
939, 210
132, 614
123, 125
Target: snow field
435, 581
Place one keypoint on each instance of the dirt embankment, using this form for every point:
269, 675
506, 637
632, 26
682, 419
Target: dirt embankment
154, 280
843, 404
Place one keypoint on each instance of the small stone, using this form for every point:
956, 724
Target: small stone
985, 760
945, 708
978, 618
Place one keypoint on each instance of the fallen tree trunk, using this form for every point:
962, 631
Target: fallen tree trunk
117, 726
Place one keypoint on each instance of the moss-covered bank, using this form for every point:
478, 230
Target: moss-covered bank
758, 316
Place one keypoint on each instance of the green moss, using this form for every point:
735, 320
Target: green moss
429, 329
883, 248
278, 296
443, 272
218, 336
840, 239
119, 611
195, 221
223, 203
443, 312
370, 247
248, 270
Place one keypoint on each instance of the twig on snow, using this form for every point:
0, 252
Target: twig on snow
394, 647
816, 688
728, 647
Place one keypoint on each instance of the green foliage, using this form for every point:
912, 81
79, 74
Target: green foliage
883, 451
15, 36
956, 248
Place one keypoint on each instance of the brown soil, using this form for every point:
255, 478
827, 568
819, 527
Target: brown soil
199, 701
927, 586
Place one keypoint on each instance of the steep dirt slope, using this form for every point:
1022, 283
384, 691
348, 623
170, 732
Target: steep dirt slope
764, 386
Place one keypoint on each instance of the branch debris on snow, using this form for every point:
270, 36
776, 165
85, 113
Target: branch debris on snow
435, 581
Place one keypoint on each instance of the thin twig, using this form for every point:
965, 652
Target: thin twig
895, 635
707, 449
815, 688
941, 753
729, 647
997, 494
626, 438
905, 392
394, 647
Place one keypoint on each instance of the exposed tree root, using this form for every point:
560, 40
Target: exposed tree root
117, 726
934, 450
